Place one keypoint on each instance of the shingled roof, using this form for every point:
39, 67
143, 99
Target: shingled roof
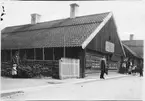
52, 33
129, 52
136, 46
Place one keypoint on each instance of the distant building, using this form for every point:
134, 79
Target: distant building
134, 49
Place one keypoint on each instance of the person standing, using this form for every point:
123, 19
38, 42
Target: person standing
14, 71
103, 67
15, 61
130, 68
124, 69
127, 66
141, 70
16, 58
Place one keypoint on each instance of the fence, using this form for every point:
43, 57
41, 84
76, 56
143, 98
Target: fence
69, 68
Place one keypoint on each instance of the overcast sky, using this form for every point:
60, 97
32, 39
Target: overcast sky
129, 15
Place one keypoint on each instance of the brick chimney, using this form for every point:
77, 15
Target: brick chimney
73, 10
35, 18
131, 36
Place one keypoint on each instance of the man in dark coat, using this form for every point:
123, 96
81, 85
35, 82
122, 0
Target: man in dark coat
103, 67
141, 70
16, 58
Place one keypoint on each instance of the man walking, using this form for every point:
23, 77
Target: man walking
103, 67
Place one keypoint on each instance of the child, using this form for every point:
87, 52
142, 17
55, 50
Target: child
14, 71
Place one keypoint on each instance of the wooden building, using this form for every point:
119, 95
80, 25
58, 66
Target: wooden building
134, 50
87, 38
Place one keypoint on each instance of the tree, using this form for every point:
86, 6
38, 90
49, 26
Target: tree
3, 13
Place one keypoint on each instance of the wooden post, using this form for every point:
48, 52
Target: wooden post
18, 56
11, 54
26, 54
82, 62
43, 53
53, 53
19, 52
34, 53
84, 56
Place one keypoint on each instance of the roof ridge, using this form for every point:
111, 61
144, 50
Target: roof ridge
133, 40
36, 23
73, 18
54, 27
91, 15
59, 19
135, 45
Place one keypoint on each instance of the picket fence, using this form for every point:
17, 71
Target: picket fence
69, 68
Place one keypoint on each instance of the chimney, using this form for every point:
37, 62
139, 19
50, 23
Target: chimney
73, 10
35, 18
131, 36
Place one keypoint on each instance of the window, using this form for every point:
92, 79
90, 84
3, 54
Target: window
22, 54
2, 55
39, 53
5, 55
48, 53
109, 38
30, 53
58, 53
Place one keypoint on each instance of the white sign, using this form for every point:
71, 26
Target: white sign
109, 46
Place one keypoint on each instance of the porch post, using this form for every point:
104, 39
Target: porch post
53, 53
43, 53
26, 54
19, 52
34, 53
11, 54
82, 62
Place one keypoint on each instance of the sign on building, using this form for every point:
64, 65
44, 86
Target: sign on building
109, 46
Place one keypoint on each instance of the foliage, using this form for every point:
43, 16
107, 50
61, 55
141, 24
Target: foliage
6, 69
29, 70
25, 71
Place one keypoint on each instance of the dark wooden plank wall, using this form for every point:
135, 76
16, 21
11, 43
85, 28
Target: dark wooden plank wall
93, 59
107, 33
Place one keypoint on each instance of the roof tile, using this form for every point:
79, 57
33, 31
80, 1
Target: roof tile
51, 34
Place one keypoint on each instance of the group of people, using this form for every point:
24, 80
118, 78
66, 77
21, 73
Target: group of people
128, 67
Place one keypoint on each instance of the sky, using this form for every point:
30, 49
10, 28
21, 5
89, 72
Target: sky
129, 15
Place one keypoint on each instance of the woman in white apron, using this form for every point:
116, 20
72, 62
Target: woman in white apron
14, 71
